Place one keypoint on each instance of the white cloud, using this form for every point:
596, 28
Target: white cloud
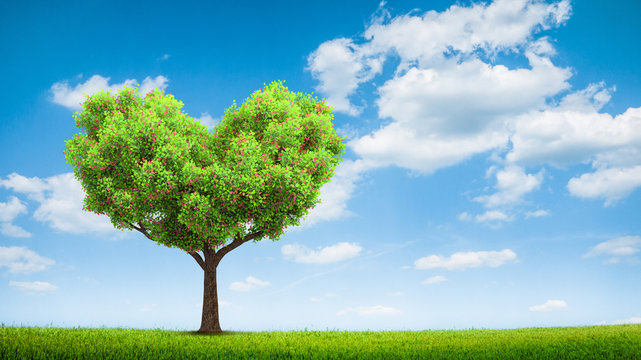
400, 145
610, 184
249, 284
72, 97
149, 84
487, 217
550, 305
449, 99
11, 209
536, 214
335, 194
8, 212
431, 100
494, 27
434, 280
61, 201
33, 187
589, 100
464, 260
22, 260
341, 66
512, 184
339, 252
561, 137
492, 215
209, 122
370, 310
14, 231
621, 247
62, 208
632, 320
40, 286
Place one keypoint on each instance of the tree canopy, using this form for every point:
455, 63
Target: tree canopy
150, 167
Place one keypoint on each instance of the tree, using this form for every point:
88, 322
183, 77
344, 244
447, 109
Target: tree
153, 169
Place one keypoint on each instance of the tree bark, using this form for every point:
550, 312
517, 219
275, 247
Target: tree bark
210, 322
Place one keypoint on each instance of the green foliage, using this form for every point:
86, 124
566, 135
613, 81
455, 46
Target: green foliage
145, 162
597, 342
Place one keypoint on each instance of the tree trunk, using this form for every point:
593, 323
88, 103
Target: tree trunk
210, 322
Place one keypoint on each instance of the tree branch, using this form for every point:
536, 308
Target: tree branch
199, 259
234, 244
194, 254
142, 229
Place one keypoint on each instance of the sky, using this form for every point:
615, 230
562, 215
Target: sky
490, 180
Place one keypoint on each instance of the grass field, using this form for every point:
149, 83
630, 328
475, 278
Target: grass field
595, 342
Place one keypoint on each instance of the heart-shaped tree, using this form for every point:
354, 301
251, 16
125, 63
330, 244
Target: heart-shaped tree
152, 168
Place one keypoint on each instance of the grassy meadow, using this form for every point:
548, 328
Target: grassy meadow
593, 342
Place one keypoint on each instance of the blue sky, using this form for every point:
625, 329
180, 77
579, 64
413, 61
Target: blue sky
491, 175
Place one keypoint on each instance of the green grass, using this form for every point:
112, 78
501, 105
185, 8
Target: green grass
594, 342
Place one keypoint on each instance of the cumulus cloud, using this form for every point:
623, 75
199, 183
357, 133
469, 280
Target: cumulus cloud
33, 187
550, 305
434, 280
611, 184
426, 42
503, 24
39, 286
589, 99
334, 253
440, 71
616, 249
449, 99
60, 199
486, 217
562, 137
11, 209
370, 310
8, 212
341, 66
249, 284
335, 194
20, 260
209, 122
464, 260
399, 145
490, 93
14, 231
492, 215
72, 97
512, 183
